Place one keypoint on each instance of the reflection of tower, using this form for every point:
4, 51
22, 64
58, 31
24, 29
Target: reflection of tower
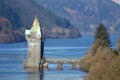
35, 74
35, 46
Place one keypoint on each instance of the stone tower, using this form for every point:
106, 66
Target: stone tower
35, 41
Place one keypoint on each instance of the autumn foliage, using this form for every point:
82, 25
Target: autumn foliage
101, 61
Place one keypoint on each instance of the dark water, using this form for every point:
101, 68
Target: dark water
12, 56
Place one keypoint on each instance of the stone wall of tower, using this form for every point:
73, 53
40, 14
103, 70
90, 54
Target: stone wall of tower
34, 50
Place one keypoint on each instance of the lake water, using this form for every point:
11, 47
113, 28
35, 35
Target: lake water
12, 56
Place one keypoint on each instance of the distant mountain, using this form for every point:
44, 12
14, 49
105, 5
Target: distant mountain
19, 15
116, 1
87, 14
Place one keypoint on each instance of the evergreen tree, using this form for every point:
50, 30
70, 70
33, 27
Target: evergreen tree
102, 35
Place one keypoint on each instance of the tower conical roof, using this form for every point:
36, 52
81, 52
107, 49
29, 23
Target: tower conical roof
36, 25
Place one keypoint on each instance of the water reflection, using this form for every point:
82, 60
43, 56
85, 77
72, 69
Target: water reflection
35, 73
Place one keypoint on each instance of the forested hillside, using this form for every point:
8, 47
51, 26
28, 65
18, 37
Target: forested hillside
21, 14
87, 14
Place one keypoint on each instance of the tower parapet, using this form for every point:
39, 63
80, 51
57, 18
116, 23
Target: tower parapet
35, 41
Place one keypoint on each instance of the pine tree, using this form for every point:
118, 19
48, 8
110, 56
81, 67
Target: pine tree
102, 35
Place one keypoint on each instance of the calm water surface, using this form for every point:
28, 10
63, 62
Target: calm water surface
12, 56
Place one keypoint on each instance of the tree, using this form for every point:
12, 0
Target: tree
102, 35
